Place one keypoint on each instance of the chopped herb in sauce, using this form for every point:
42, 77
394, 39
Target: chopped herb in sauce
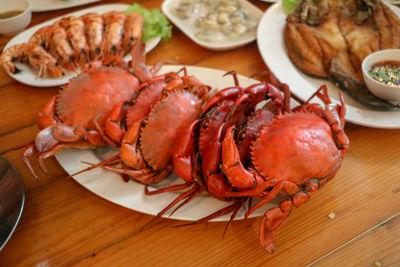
387, 72
9, 14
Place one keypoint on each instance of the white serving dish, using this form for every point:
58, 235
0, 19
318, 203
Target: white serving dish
273, 51
393, 2
28, 75
47, 5
131, 195
15, 24
189, 30
385, 91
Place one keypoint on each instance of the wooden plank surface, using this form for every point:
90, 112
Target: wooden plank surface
379, 246
64, 224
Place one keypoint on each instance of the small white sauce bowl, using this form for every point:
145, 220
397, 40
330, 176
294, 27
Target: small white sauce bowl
13, 25
382, 90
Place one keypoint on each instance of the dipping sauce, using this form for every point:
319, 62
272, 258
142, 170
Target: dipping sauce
387, 72
9, 14
216, 20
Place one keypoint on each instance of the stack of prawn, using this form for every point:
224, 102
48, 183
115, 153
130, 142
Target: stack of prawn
73, 41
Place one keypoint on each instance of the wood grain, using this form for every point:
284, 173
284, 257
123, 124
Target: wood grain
64, 224
379, 245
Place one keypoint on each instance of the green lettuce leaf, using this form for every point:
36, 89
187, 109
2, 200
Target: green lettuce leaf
289, 5
155, 23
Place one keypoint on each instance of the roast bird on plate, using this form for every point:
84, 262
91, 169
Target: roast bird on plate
330, 39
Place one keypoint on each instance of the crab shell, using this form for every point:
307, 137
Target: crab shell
252, 127
165, 124
93, 94
295, 146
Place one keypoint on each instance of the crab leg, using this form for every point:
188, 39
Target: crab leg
258, 92
179, 198
55, 149
286, 186
336, 120
272, 219
235, 207
145, 176
333, 113
110, 161
30, 151
170, 188
228, 93
133, 173
188, 199
222, 95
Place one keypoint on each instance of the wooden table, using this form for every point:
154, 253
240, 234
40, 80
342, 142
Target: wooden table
65, 224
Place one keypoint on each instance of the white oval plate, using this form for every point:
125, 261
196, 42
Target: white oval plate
273, 51
28, 75
185, 27
393, 2
111, 187
47, 5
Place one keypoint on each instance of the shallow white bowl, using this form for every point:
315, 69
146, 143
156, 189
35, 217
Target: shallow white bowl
15, 24
188, 29
388, 92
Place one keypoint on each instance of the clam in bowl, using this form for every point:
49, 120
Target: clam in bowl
381, 72
15, 15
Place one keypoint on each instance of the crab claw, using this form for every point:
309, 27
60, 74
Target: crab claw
237, 175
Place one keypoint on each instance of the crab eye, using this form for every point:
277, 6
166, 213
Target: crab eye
206, 124
242, 136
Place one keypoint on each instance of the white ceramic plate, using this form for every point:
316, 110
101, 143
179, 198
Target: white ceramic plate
393, 2
47, 5
270, 1
131, 195
273, 51
28, 75
169, 5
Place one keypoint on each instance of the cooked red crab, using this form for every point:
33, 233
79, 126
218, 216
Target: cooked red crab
197, 156
155, 120
295, 153
77, 115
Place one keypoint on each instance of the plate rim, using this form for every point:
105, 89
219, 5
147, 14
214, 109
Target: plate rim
355, 115
53, 82
67, 5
